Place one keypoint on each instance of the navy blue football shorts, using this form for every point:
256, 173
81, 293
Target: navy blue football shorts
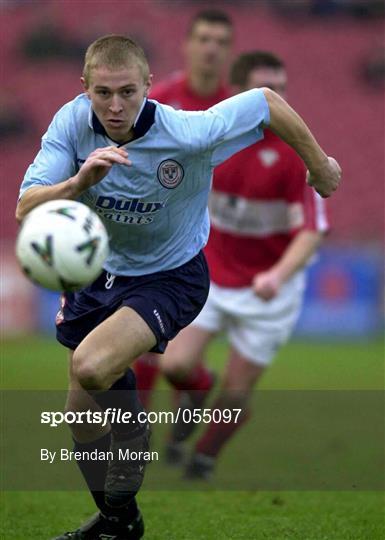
167, 301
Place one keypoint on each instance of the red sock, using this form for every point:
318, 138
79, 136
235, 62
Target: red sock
217, 434
200, 379
147, 371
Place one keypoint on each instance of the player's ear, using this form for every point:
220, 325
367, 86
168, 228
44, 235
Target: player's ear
148, 85
85, 86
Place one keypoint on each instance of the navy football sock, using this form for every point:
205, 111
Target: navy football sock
94, 473
122, 398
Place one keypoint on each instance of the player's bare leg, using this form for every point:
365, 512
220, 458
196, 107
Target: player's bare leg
109, 350
102, 360
185, 352
98, 366
240, 377
147, 372
79, 399
239, 380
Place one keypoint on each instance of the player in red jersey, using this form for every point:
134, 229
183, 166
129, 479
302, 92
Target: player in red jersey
200, 86
262, 236
206, 49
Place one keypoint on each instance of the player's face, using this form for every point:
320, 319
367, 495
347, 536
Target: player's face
274, 78
117, 96
208, 47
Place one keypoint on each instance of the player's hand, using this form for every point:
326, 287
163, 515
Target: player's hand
98, 164
267, 285
326, 179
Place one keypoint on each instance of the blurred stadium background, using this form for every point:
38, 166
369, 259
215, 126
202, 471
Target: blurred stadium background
335, 59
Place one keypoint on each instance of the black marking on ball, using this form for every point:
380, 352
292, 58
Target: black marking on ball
65, 211
91, 246
88, 224
45, 252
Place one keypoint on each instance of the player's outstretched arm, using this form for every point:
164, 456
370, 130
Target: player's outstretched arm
92, 171
324, 173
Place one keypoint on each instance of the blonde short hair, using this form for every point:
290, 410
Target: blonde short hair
114, 51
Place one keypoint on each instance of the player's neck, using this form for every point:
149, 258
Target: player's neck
203, 84
124, 139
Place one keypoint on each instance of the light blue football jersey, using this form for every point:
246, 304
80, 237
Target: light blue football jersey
155, 211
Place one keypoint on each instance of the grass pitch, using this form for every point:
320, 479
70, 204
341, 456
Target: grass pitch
198, 513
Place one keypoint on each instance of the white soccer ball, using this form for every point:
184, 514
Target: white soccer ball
62, 245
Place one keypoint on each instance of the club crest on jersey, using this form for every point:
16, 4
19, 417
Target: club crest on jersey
170, 173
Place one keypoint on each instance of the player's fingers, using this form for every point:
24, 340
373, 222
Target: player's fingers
102, 163
265, 295
324, 194
328, 184
113, 157
112, 149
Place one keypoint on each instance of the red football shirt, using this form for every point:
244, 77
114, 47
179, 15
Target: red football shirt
259, 201
176, 92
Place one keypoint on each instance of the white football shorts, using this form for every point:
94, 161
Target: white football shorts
256, 329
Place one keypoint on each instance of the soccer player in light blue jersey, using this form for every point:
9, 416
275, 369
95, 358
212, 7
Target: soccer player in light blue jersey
146, 170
